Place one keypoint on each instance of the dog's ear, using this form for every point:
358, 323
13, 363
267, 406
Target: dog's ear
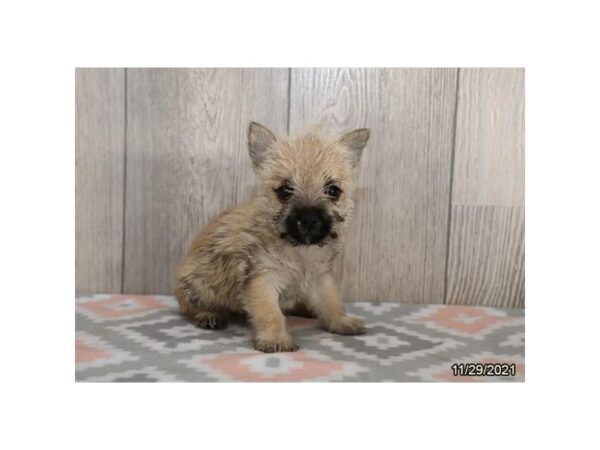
260, 140
355, 141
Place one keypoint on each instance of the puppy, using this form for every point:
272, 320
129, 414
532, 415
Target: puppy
275, 253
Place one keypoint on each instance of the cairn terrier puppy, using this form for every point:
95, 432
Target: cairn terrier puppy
274, 254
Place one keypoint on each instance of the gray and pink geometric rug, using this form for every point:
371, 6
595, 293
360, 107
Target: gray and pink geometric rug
129, 338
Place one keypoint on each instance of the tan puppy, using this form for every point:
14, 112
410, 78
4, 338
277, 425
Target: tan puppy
275, 253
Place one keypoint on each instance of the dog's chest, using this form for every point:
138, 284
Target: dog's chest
300, 273
309, 260
302, 265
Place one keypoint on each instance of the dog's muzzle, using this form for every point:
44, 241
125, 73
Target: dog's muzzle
309, 225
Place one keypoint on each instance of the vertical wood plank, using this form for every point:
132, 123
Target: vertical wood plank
487, 256
99, 171
396, 249
264, 100
489, 167
486, 248
187, 158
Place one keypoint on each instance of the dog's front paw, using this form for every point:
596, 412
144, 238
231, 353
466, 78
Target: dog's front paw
275, 345
346, 325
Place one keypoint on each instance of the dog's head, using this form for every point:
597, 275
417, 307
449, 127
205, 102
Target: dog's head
306, 182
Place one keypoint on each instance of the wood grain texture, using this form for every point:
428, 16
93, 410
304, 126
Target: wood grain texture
99, 171
264, 99
489, 166
485, 265
187, 159
487, 256
396, 250
181, 150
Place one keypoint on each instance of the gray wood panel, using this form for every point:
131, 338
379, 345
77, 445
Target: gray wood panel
168, 147
264, 100
396, 250
99, 171
486, 257
187, 158
489, 166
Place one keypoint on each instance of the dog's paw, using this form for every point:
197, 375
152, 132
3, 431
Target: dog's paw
211, 320
346, 325
275, 345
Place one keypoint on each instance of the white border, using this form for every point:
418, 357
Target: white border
43, 41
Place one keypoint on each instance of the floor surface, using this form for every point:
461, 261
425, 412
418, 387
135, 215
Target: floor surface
125, 338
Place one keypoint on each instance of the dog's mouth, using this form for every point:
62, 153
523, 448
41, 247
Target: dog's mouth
308, 226
308, 240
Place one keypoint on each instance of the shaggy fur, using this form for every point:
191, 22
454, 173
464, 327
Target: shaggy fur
275, 253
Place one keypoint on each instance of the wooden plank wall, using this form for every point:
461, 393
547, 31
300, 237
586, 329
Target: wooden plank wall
439, 216
486, 245
99, 175
187, 158
397, 248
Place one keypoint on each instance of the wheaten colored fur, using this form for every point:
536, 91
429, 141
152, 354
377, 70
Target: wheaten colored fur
245, 262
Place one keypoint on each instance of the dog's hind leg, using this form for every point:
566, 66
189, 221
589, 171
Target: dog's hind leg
199, 313
213, 320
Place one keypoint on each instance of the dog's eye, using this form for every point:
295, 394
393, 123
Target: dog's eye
334, 192
284, 192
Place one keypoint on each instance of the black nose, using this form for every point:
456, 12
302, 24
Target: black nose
309, 218
308, 225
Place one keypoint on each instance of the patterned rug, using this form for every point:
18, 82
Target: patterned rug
143, 338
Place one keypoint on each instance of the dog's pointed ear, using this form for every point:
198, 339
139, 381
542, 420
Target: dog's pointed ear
355, 141
260, 140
